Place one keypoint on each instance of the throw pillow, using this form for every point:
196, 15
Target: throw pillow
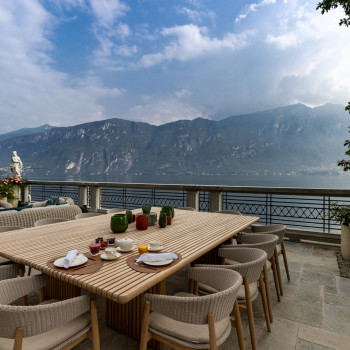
25, 207
61, 203
4, 204
49, 202
55, 199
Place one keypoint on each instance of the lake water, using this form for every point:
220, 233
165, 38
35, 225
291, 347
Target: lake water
307, 181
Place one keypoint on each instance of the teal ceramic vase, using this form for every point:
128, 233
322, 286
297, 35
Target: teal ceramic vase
119, 223
162, 219
152, 218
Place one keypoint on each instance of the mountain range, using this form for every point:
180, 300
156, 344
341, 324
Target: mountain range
294, 139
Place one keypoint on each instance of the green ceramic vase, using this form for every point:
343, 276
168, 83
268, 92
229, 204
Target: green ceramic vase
146, 208
162, 219
119, 223
129, 216
169, 210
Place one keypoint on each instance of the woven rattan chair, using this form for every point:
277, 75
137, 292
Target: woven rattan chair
192, 322
50, 325
4, 261
48, 221
86, 215
186, 208
268, 244
9, 271
279, 231
249, 263
115, 210
232, 212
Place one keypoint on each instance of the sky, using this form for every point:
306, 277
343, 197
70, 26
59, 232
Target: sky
67, 62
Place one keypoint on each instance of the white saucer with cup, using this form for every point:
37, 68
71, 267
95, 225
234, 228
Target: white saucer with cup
110, 254
155, 245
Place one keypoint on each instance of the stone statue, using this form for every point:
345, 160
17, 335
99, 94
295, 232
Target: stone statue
16, 165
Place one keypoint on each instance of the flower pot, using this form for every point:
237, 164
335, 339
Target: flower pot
345, 242
13, 202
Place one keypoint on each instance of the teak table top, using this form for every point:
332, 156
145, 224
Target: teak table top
191, 234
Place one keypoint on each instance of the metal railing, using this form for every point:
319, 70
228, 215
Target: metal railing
299, 208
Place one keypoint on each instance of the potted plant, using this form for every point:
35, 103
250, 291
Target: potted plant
10, 189
340, 213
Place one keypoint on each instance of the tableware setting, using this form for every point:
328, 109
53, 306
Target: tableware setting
95, 248
160, 259
155, 246
110, 254
125, 244
142, 248
72, 259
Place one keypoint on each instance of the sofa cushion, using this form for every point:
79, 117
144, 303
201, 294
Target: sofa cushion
7, 209
4, 204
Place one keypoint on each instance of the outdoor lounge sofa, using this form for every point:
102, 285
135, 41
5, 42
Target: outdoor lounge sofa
26, 217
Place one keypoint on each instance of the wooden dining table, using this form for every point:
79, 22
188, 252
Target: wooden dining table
195, 236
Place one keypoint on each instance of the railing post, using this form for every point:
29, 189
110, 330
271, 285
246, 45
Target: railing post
215, 201
192, 199
25, 194
82, 195
95, 197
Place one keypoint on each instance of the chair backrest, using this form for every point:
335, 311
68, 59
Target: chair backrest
10, 228
35, 319
86, 215
8, 271
115, 210
277, 229
266, 242
186, 208
48, 221
250, 261
195, 309
232, 212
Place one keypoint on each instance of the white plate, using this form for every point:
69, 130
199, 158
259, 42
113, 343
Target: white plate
104, 256
78, 260
159, 248
124, 251
158, 262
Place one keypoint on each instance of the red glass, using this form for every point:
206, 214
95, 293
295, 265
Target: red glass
104, 244
168, 220
95, 248
141, 222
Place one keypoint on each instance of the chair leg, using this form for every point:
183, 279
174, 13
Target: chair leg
238, 325
268, 293
250, 313
264, 302
29, 271
94, 326
278, 271
273, 266
18, 339
145, 334
212, 335
283, 250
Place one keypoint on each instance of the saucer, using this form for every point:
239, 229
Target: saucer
124, 251
104, 256
157, 249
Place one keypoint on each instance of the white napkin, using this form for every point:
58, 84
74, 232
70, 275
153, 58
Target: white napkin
69, 258
156, 257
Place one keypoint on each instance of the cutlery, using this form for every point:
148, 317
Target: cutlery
80, 267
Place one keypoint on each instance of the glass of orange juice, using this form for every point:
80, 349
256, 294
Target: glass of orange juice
142, 247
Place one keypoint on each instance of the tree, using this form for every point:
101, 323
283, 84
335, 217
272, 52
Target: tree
325, 6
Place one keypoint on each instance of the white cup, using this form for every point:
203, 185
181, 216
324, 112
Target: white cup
155, 244
110, 253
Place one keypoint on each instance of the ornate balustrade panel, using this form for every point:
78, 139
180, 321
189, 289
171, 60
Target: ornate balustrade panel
299, 208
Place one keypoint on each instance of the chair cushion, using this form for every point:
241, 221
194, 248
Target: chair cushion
192, 333
278, 247
268, 265
53, 338
205, 289
231, 262
253, 288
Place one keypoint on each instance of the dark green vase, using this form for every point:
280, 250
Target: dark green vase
119, 223
146, 208
129, 216
162, 219
169, 210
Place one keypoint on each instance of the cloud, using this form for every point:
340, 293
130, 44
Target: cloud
192, 42
162, 110
196, 16
35, 93
183, 93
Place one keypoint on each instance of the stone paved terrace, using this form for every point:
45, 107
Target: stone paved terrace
314, 313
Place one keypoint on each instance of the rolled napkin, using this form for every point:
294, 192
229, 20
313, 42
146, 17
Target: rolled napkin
69, 258
156, 257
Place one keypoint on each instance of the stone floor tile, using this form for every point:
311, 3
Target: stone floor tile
336, 300
310, 293
336, 319
330, 289
305, 345
343, 286
324, 337
317, 278
325, 252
